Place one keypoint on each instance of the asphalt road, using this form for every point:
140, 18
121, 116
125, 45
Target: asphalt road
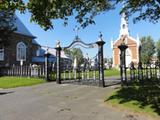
50, 101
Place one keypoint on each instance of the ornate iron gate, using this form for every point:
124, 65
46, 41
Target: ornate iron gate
90, 72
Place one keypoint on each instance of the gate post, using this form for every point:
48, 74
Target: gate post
123, 73
100, 44
139, 51
46, 65
58, 59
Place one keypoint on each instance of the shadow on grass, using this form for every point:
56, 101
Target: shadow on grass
146, 95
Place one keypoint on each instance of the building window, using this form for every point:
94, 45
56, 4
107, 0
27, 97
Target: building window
21, 51
1, 52
123, 26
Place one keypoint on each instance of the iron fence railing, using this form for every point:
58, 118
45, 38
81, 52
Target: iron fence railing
145, 72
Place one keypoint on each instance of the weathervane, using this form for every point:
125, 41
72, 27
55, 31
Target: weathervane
58, 43
100, 36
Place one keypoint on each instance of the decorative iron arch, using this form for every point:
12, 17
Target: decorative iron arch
83, 74
78, 41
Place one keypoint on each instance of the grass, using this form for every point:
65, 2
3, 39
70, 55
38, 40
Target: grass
107, 73
111, 72
11, 82
137, 98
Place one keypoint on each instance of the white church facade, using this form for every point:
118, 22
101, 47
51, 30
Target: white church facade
132, 52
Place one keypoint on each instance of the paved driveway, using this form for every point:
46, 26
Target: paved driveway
50, 101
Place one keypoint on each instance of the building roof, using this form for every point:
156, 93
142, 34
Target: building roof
52, 58
129, 41
35, 42
21, 28
40, 59
52, 51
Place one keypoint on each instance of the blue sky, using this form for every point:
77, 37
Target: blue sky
108, 23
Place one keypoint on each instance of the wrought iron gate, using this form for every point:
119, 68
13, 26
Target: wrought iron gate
90, 72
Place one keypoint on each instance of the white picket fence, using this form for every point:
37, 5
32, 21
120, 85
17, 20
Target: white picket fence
29, 71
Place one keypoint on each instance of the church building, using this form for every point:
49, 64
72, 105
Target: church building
132, 52
24, 49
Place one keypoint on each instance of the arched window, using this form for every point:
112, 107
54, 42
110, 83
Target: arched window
21, 51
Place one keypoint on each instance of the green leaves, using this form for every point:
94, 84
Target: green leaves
44, 11
6, 26
75, 53
7, 11
146, 9
158, 49
12, 5
148, 48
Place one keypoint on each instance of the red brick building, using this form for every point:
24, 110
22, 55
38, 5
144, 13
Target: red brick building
132, 52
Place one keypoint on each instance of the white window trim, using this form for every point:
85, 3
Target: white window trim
2, 54
17, 57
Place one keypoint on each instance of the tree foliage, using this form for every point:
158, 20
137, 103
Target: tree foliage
75, 53
148, 48
6, 26
12, 5
44, 11
146, 9
83, 10
158, 49
7, 18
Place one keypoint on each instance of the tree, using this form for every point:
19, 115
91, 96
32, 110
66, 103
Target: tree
7, 18
44, 11
148, 48
12, 5
158, 49
7, 26
147, 9
83, 10
75, 53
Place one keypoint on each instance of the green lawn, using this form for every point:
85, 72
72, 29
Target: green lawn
137, 98
111, 72
107, 73
11, 82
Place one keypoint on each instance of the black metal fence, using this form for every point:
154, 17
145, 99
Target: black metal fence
68, 73
145, 72
80, 75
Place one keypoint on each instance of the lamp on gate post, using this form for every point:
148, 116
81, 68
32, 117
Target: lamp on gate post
58, 58
100, 44
123, 73
47, 54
